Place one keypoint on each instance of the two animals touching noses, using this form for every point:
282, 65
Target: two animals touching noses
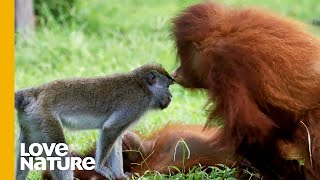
261, 73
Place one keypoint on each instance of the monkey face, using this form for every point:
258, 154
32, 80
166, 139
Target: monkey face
159, 85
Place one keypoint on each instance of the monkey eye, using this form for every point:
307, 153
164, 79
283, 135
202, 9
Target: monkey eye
151, 78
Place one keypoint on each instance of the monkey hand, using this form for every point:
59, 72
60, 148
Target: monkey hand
104, 171
124, 176
107, 172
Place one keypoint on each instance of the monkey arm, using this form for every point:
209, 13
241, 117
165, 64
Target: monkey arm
109, 160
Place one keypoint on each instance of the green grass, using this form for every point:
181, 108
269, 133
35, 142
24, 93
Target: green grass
106, 37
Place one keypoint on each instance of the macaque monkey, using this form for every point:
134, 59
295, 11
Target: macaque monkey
109, 103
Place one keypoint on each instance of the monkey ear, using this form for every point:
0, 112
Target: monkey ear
151, 78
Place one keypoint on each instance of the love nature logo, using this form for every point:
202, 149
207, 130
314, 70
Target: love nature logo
40, 156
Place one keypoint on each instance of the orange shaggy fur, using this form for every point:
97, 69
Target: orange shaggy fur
156, 151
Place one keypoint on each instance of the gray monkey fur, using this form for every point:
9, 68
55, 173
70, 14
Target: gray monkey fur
110, 103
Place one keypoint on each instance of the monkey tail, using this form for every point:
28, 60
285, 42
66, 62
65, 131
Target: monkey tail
22, 98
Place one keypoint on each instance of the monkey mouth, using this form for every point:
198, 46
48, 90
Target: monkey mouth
164, 103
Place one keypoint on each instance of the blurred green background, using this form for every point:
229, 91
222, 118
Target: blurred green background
79, 38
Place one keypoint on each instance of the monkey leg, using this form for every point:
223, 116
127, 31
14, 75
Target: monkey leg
105, 145
113, 168
29, 128
21, 174
53, 133
115, 160
109, 160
